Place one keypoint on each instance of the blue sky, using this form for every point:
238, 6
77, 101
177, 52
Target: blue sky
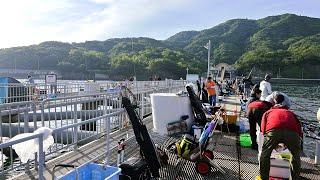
25, 22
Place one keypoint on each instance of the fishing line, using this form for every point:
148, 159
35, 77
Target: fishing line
303, 107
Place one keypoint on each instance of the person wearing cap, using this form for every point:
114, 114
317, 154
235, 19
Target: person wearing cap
280, 125
255, 110
211, 89
265, 87
286, 102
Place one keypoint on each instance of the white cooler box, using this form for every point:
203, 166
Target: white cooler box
278, 167
167, 108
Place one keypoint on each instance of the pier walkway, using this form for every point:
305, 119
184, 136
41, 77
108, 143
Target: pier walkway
238, 162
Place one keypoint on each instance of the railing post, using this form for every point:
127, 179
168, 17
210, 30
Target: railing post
317, 155
142, 105
105, 110
75, 129
107, 128
41, 158
26, 130
42, 113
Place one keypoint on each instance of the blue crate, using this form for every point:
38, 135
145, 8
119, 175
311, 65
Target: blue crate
92, 171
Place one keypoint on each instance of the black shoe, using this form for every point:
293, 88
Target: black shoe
254, 147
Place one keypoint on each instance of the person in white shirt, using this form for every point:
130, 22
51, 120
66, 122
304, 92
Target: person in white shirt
265, 87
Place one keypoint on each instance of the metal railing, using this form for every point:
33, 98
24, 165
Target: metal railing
75, 120
10, 143
18, 92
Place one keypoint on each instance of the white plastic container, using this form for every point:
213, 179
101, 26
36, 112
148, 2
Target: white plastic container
167, 108
279, 168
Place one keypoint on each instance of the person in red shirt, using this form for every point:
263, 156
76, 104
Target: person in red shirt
255, 110
210, 87
280, 125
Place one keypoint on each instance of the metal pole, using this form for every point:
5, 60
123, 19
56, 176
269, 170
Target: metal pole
15, 64
41, 158
317, 156
187, 73
209, 49
107, 128
75, 129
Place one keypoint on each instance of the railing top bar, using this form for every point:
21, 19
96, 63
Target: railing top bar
57, 130
99, 82
78, 96
13, 142
15, 104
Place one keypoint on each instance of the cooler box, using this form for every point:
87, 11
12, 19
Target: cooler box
230, 118
168, 108
92, 171
279, 161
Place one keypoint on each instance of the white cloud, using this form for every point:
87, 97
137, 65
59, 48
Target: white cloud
25, 22
34, 21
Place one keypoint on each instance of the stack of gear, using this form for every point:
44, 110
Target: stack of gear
198, 152
185, 146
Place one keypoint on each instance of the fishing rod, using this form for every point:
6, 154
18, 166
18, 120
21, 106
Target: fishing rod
303, 107
311, 129
250, 72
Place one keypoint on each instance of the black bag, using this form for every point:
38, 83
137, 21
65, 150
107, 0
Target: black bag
134, 168
147, 147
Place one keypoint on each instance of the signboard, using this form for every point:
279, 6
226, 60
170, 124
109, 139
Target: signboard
51, 79
192, 77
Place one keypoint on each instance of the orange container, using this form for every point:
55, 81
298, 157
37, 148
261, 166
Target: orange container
230, 118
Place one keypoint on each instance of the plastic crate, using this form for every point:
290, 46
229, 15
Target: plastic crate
92, 171
245, 140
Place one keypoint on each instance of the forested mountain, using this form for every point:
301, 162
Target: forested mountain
287, 42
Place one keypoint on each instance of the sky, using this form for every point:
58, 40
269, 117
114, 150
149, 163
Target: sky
26, 22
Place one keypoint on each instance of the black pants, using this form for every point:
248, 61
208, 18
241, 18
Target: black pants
254, 118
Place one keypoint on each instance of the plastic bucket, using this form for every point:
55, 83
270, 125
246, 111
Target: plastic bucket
245, 140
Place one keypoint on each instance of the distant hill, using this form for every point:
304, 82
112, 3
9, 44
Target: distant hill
288, 42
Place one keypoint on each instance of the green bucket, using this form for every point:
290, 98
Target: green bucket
245, 140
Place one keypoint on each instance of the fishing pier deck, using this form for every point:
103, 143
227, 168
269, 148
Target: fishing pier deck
238, 162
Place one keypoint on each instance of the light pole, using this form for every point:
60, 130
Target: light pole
38, 64
15, 64
208, 46
187, 73
134, 64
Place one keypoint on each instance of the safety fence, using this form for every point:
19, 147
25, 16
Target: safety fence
75, 120
18, 92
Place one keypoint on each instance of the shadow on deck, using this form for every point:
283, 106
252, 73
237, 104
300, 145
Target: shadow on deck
238, 162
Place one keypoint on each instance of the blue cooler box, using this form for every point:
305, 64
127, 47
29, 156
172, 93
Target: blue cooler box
92, 171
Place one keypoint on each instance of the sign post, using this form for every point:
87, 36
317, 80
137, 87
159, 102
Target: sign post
51, 79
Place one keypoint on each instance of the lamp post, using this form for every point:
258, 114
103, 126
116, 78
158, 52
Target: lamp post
208, 46
187, 73
15, 64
